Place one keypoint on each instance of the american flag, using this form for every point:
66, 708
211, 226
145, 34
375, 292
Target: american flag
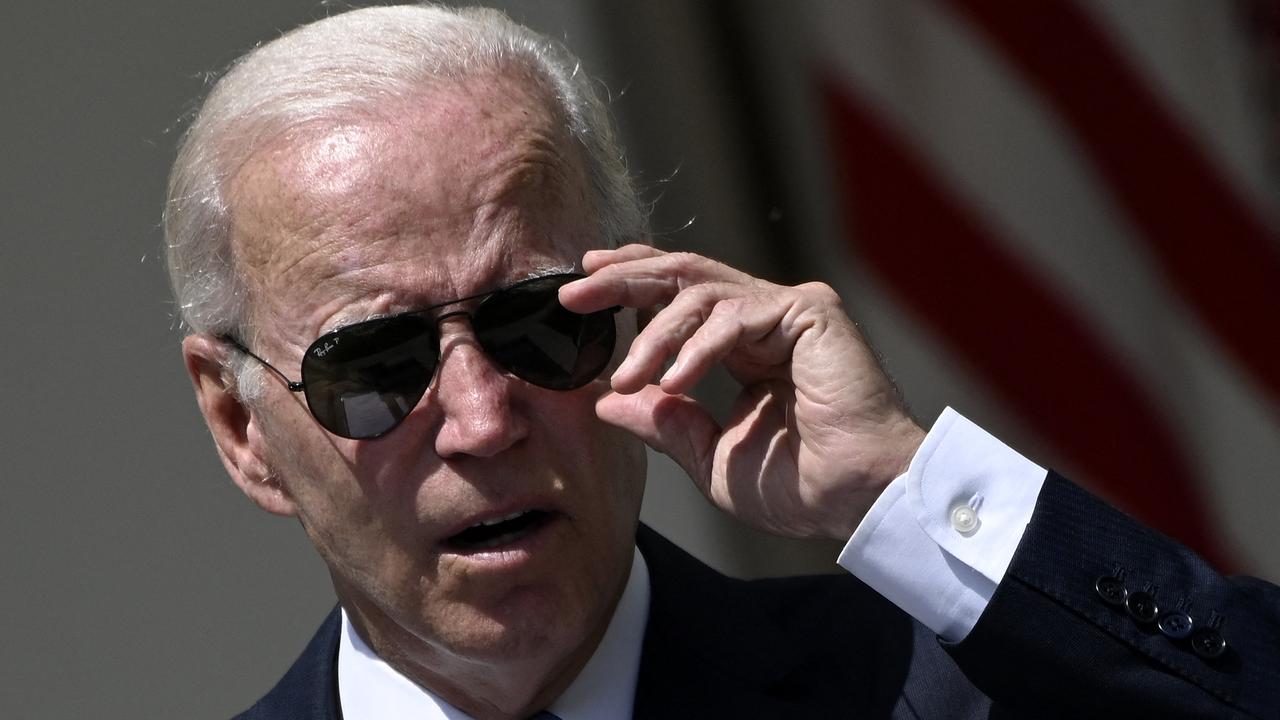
1061, 217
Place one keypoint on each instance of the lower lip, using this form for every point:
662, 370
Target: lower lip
521, 551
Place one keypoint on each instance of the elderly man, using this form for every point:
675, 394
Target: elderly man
411, 262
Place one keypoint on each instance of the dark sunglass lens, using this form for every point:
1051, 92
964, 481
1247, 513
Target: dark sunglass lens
362, 380
528, 332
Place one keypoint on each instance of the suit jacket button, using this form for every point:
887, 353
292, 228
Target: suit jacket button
1208, 644
1176, 625
1142, 607
1111, 590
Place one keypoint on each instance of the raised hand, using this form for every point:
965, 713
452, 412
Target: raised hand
818, 429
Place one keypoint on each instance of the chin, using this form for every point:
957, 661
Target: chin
527, 624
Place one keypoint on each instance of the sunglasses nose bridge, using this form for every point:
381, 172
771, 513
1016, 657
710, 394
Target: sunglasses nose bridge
440, 319
455, 318
462, 338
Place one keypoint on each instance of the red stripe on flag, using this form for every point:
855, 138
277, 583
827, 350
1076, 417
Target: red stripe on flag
1217, 251
1029, 346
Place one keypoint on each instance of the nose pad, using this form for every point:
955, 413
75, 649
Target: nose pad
474, 396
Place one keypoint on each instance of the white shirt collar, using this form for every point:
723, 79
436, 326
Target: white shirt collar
370, 689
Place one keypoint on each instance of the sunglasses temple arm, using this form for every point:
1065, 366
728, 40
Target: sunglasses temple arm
293, 385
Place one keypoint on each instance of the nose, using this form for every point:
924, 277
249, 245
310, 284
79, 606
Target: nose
477, 415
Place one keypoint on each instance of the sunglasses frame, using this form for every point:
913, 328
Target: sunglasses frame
300, 385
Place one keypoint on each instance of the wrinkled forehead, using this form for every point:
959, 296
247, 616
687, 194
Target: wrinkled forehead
459, 176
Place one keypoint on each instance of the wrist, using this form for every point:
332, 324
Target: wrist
896, 450
906, 442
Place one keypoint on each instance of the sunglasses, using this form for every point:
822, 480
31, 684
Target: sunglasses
362, 380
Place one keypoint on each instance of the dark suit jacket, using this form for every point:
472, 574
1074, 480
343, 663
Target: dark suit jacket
1048, 644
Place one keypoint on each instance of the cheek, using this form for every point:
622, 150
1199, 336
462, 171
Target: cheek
632, 475
310, 464
610, 462
364, 544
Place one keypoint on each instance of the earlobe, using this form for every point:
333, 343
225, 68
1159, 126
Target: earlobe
233, 424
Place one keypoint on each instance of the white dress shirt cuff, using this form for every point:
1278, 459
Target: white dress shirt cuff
940, 537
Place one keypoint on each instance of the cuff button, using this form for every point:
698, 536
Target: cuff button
1208, 644
1111, 590
1176, 625
1142, 607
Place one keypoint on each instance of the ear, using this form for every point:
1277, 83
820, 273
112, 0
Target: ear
234, 425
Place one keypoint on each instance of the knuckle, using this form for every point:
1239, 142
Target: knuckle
684, 257
692, 266
821, 293
727, 310
681, 331
699, 295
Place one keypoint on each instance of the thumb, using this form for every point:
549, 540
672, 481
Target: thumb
674, 425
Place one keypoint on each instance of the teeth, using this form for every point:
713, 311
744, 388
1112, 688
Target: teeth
495, 521
499, 531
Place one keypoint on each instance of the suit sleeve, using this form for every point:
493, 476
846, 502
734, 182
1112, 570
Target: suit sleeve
1051, 600
1097, 613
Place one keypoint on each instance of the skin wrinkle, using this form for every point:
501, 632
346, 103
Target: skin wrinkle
536, 169
439, 221
271, 174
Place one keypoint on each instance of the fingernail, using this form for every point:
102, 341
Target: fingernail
671, 372
623, 368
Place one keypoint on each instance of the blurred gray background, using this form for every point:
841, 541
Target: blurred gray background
137, 581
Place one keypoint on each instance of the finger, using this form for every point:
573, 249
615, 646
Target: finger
646, 281
707, 324
750, 325
593, 260
674, 425
573, 297
663, 335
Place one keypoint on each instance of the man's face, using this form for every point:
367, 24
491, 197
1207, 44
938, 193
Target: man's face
464, 190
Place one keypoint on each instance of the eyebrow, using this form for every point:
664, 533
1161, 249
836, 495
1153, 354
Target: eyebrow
341, 321
551, 270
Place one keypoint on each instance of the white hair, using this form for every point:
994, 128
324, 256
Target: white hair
330, 72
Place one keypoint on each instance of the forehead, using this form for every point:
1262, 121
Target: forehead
443, 192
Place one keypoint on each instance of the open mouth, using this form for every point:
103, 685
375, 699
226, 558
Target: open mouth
499, 531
